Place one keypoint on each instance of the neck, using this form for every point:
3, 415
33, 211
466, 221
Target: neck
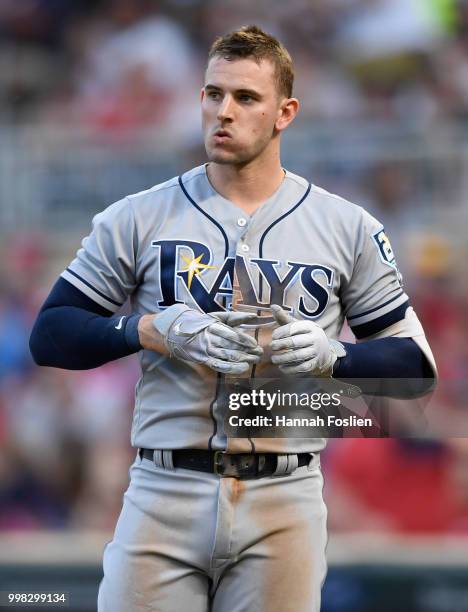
247, 185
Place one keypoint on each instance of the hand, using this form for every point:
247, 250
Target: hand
302, 346
209, 339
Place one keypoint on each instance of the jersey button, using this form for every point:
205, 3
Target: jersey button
245, 248
241, 222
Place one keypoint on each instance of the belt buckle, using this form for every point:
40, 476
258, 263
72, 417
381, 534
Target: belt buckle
218, 462
242, 466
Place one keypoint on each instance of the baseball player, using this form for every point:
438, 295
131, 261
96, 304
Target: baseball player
235, 268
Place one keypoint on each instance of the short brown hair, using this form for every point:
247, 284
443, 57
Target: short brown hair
252, 42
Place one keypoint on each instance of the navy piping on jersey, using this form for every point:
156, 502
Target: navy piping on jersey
363, 314
219, 380
377, 325
262, 239
260, 247
93, 288
218, 225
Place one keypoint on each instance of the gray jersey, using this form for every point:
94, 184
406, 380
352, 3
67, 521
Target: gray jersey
312, 252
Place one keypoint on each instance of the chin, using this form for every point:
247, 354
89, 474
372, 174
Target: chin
220, 156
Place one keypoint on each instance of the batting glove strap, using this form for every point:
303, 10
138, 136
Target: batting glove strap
164, 321
178, 324
337, 350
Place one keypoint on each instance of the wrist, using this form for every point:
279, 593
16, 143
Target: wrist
148, 335
131, 333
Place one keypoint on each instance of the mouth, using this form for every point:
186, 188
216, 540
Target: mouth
221, 136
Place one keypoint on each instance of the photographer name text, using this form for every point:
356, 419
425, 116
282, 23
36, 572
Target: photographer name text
313, 421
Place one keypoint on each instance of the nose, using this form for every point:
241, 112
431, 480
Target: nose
226, 109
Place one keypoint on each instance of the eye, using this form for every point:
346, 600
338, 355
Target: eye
214, 95
245, 98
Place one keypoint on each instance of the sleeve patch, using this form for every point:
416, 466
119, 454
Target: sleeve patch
385, 250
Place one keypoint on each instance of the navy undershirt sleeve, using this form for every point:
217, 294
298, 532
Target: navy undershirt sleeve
75, 333
387, 359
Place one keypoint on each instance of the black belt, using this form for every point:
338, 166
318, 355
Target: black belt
240, 465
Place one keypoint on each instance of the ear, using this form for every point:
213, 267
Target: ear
202, 94
287, 111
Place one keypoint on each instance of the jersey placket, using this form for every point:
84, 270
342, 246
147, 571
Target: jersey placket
239, 239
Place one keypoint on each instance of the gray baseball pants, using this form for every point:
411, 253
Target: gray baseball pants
189, 540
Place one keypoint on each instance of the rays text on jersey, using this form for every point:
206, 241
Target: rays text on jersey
251, 283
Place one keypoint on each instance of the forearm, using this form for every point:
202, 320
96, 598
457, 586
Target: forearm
74, 332
387, 359
72, 338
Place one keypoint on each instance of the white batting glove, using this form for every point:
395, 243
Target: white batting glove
302, 346
209, 339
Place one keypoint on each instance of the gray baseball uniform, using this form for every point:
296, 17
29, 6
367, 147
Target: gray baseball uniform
258, 545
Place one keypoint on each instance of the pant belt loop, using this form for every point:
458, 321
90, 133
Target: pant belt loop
314, 461
167, 460
286, 464
293, 462
281, 465
158, 459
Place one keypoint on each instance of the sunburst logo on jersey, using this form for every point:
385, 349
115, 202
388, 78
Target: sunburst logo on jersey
194, 267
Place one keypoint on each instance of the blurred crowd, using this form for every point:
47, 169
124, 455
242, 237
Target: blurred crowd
116, 64
113, 66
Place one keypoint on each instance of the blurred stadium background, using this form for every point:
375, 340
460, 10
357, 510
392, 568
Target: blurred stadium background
98, 99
